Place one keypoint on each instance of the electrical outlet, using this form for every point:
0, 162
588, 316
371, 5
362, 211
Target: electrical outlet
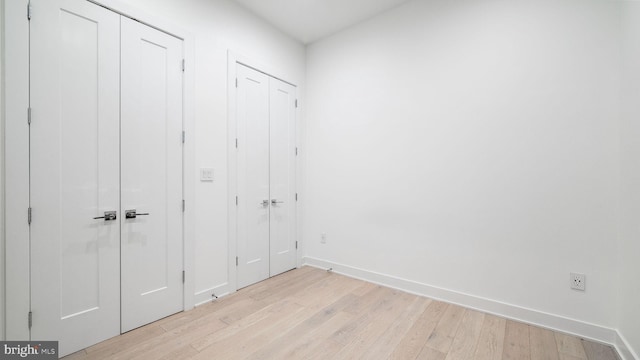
577, 281
206, 174
323, 238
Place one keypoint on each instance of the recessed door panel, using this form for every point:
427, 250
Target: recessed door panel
253, 177
74, 173
151, 151
282, 147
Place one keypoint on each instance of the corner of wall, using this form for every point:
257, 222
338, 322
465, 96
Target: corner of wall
628, 342
624, 349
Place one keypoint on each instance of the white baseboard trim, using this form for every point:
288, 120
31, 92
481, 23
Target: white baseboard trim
206, 296
624, 349
530, 316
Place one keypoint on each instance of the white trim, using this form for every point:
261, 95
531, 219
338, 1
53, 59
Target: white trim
530, 316
2, 176
189, 171
206, 296
263, 67
232, 169
624, 349
232, 161
16, 134
144, 17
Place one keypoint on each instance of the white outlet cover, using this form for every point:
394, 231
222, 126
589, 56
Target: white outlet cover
577, 281
206, 174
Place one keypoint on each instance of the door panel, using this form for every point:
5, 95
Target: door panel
151, 145
282, 115
266, 244
253, 176
75, 279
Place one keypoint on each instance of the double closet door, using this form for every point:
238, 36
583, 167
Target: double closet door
266, 151
106, 173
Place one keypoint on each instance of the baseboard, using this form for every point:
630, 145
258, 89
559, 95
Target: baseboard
205, 296
624, 349
530, 316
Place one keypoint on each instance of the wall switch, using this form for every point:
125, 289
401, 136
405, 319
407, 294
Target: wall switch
206, 174
323, 238
577, 281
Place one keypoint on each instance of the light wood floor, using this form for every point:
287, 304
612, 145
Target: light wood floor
312, 314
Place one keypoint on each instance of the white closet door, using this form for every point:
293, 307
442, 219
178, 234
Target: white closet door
151, 166
75, 265
253, 176
282, 115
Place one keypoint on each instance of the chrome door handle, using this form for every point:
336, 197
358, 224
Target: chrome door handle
108, 216
274, 202
265, 203
132, 214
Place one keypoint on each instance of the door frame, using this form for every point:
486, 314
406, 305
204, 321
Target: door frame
13, 317
234, 58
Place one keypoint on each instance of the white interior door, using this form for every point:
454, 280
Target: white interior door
282, 115
75, 259
151, 148
253, 176
266, 176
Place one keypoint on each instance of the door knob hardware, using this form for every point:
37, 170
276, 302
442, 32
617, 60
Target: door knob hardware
132, 214
265, 203
274, 202
108, 216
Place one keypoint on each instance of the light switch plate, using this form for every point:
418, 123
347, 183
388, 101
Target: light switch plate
206, 174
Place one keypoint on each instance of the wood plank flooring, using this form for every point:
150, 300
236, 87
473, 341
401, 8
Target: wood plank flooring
313, 314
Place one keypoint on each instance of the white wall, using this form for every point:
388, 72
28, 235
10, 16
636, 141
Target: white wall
219, 26
628, 310
2, 170
472, 146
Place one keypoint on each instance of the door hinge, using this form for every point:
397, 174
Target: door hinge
296, 245
236, 200
30, 319
183, 205
236, 261
296, 151
29, 115
236, 82
296, 103
296, 196
183, 276
29, 10
29, 216
183, 65
184, 136
236, 143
